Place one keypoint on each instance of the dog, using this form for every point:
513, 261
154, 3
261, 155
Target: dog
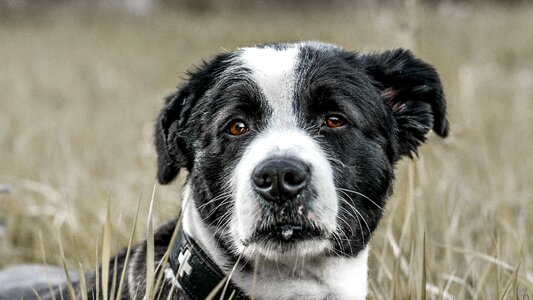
290, 152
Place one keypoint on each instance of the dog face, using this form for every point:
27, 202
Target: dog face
290, 148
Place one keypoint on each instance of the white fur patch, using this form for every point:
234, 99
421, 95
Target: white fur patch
347, 277
321, 278
171, 277
274, 72
194, 226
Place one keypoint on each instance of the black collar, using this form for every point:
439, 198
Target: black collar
196, 272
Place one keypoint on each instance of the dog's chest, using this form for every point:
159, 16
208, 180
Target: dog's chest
332, 278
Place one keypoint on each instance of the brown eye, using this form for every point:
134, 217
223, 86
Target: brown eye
334, 121
237, 127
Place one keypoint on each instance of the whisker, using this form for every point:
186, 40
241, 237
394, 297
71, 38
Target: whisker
354, 209
362, 195
222, 222
347, 224
214, 199
222, 202
344, 220
334, 160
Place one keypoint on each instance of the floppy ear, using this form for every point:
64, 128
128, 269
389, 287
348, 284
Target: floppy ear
173, 135
170, 146
413, 91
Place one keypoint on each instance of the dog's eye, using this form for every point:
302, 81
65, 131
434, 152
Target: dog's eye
237, 127
334, 121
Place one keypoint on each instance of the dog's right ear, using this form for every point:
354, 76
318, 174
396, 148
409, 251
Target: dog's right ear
170, 147
173, 135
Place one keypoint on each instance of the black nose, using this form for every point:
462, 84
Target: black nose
280, 179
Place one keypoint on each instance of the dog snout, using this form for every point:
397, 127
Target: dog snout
280, 179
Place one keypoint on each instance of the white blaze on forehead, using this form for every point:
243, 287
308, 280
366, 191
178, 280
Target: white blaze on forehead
274, 72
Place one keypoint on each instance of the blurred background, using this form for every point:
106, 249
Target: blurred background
82, 81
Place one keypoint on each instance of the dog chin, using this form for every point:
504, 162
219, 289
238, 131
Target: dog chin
280, 250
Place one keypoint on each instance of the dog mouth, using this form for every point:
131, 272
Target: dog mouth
283, 227
285, 234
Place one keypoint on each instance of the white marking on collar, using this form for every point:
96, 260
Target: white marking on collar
183, 259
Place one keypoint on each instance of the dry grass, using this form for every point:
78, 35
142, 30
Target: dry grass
79, 93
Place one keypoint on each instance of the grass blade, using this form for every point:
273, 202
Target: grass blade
106, 252
150, 257
83, 282
423, 281
166, 257
128, 250
43, 253
70, 288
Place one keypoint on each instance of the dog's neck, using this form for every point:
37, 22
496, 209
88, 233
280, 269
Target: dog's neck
317, 278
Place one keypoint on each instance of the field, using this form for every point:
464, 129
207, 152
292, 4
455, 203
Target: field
80, 91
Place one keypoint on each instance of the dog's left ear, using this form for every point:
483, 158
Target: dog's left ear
413, 90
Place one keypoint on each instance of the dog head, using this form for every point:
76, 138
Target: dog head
290, 148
